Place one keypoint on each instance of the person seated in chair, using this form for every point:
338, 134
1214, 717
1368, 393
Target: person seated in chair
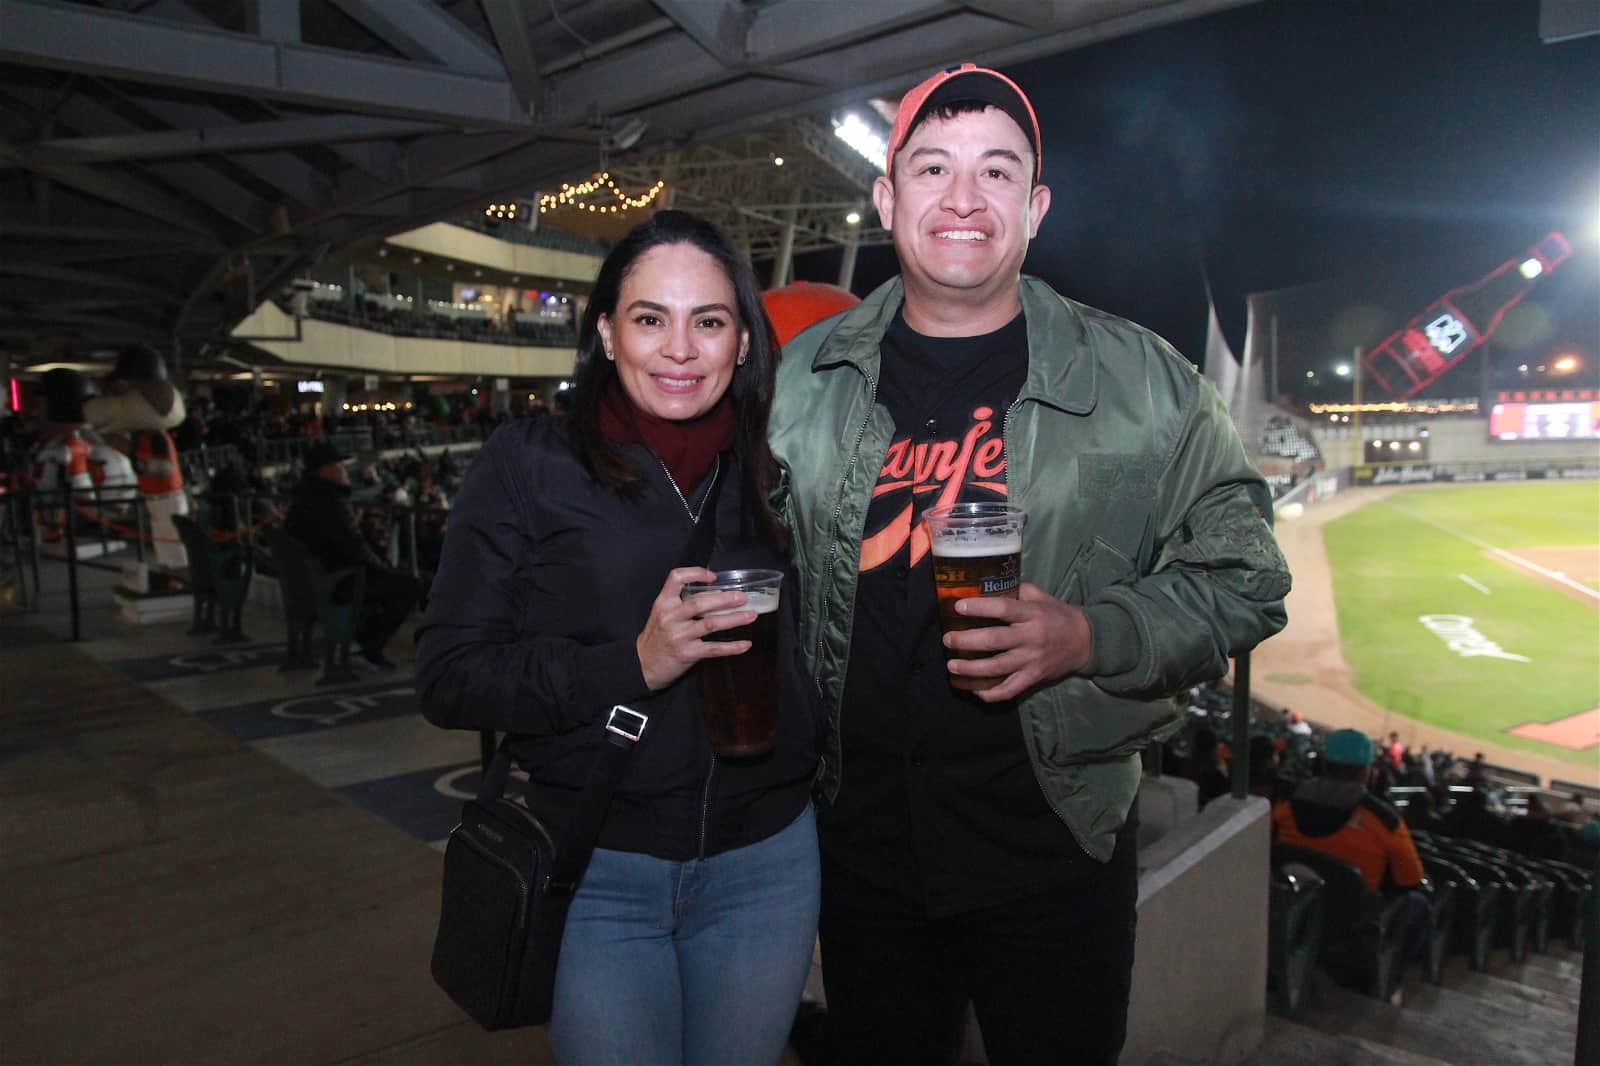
323, 520
1337, 815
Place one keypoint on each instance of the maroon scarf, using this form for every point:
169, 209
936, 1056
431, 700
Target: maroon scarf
686, 449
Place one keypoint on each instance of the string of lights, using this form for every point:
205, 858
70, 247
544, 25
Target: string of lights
576, 196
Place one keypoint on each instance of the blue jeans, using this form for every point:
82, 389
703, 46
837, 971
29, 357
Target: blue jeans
699, 962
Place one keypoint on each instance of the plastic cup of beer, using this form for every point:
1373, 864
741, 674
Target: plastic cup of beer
977, 551
739, 693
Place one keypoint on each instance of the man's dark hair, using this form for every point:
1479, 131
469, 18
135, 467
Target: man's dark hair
750, 390
962, 107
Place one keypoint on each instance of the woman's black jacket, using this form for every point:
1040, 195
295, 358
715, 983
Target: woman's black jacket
546, 579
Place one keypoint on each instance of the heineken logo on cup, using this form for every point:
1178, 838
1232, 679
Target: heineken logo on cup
977, 551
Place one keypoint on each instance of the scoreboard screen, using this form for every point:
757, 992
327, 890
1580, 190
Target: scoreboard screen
1576, 420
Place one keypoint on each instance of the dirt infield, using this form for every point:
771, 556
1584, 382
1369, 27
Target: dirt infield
1303, 667
1580, 565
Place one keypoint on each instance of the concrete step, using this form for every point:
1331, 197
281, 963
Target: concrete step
1290, 1043
1537, 980
1482, 1021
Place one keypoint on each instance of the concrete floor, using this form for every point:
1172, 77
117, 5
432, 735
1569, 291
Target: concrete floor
204, 859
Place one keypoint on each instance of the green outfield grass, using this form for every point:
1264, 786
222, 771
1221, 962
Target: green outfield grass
1399, 559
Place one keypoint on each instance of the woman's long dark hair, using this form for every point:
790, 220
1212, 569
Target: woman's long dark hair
750, 391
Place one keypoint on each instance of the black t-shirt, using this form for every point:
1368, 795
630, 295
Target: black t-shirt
937, 803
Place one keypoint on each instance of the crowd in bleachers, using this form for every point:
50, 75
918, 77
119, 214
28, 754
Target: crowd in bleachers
1508, 864
408, 320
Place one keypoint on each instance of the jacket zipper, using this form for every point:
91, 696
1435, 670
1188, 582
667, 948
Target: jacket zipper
1005, 439
705, 795
705, 804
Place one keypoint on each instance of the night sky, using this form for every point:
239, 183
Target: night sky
1296, 141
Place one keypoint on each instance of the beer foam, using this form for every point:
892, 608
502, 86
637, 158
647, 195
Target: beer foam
977, 547
761, 601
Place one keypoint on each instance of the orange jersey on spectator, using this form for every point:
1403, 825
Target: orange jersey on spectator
1344, 820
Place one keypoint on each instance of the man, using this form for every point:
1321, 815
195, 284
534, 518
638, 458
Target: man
322, 519
980, 846
1336, 815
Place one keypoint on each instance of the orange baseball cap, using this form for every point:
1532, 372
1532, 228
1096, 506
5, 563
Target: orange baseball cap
967, 82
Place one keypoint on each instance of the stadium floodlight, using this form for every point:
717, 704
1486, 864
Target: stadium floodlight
853, 218
1565, 364
1343, 370
854, 130
1531, 268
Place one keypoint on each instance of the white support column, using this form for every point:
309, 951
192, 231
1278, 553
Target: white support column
783, 265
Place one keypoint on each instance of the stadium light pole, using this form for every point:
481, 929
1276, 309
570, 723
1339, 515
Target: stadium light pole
1355, 404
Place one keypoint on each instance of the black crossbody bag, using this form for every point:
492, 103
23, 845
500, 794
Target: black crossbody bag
509, 878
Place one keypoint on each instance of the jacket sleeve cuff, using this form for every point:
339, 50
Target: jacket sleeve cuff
608, 674
1114, 641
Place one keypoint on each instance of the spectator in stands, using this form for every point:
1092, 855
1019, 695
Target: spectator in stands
1477, 771
1395, 752
558, 597
322, 519
1336, 815
1297, 723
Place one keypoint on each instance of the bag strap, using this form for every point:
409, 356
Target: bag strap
624, 726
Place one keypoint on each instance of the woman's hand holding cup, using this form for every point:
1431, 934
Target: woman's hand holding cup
674, 635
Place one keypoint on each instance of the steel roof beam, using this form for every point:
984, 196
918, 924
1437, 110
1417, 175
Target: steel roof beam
508, 21
240, 137
721, 28
102, 43
420, 29
87, 278
121, 190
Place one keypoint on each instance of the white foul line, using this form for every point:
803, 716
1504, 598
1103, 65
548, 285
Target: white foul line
1481, 588
1553, 575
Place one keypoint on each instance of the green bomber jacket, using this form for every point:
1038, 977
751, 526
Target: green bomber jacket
1142, 509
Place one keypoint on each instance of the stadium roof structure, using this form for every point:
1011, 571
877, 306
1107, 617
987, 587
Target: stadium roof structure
166, 164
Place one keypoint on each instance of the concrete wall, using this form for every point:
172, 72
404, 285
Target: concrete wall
532, 262
1457, 438
1200, 966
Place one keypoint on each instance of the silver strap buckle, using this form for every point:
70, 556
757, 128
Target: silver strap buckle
627, 723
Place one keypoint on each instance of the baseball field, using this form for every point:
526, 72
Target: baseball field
1477, 609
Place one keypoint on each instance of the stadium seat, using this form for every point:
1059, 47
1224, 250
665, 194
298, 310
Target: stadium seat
219, 578
1363, 934
1474, 905
1511, 902
1294, 934
311, 599
1442, 903
1531, 892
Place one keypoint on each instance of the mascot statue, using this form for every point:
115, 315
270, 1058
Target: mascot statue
140, 402
60, 461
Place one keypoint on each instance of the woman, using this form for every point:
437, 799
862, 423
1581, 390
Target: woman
558, 596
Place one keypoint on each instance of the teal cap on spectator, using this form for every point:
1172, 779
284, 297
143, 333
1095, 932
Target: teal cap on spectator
1348, 747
